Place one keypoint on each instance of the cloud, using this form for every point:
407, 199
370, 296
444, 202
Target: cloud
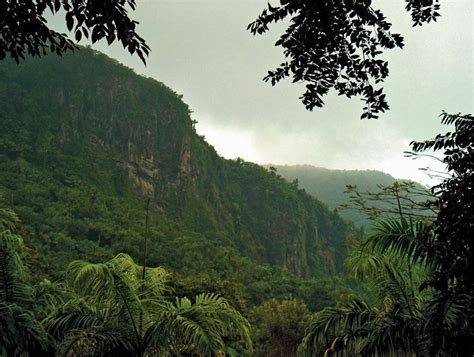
202, 50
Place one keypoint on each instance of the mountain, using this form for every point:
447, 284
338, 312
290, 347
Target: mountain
330, 185
86, 142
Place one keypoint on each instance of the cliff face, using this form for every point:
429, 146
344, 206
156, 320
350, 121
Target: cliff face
85, 118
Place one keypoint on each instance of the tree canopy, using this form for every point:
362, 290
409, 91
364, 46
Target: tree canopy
338, 45
25, 30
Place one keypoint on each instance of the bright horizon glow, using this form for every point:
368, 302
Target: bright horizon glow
234, 144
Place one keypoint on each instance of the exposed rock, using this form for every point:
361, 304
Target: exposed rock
141, 169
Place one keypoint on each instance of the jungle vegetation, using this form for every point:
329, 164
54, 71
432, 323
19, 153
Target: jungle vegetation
210, 271
230, 243
420, 269
78, 168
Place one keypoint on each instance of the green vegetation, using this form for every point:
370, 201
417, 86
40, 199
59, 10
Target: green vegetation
108, 308
80, 162
420, 271
390, 320
279, 327
344, 190
20, 330
109, 311
86, 142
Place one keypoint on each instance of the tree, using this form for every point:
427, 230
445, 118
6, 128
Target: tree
444, 326
279, 327
453, 246
402, 197
393, 261
24, 28
111, 314
337, 44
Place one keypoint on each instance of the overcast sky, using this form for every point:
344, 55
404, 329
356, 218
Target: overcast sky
202, 50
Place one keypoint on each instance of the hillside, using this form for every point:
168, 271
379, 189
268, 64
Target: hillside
330, 185
85, 142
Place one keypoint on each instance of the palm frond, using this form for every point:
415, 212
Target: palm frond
394, 334
337, 329
403, 238
95, 342
48, 296
21, 333
76, 314
8, 220
394, 260
200, 327
156, 283
111, 286
14, 286
451, 316
114, 297
91, 279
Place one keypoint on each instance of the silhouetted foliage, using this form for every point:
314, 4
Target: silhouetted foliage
337, 45
24, 28
453, 247
443, 326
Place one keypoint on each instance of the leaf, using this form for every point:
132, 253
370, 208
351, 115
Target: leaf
69, 21
78, 35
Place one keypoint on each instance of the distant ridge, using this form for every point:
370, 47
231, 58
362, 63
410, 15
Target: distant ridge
328, 185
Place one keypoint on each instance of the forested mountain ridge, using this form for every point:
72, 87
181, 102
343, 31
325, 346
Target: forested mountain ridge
85, 142
330, 186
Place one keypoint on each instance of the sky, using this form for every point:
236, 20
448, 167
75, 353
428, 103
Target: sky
201, 49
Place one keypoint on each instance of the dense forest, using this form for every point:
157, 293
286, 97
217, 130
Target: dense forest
92, 155
124, 233
99, 149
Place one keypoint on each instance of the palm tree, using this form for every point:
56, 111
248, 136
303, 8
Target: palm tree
445, 327
118, 310
21, 333
394, 261
199, 328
